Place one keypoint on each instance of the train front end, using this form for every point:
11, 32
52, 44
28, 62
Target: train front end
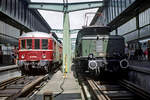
105, 53
98, 52
35, 53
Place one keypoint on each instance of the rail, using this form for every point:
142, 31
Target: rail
136, 89
112, 90
21, 87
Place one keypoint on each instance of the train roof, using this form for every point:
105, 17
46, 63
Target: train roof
41, 34
95, 30
35, 34
92, 30
102, 37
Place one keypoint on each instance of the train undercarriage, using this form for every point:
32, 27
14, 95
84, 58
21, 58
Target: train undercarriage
100, 67
37, 67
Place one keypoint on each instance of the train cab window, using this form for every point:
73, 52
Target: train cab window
99, 46
22, 44
29, 43
37, 43
44, 43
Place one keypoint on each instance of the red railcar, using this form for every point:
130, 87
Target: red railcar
39, 53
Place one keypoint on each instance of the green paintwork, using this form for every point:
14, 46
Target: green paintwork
98, 41
90, 31
66, 8
109, 45
66, 40
105, 45
90, 47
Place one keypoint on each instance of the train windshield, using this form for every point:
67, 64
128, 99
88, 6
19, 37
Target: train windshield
99, 46
29, 44
37, 44
22, 44
44, 43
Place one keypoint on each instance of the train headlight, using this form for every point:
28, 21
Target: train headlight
92, 64
22, 57
43, 56
101, 54
124, 64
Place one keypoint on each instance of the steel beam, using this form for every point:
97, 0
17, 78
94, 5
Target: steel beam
61, 7
58, 7
84, 5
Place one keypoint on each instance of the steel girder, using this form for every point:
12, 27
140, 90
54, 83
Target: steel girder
71, 7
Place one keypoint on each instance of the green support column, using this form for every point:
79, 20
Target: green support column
70, 58
66, 37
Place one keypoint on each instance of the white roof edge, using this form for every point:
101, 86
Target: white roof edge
35, 34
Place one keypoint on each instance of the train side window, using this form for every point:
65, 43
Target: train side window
44, 43
37, 43
29, 43
22, 44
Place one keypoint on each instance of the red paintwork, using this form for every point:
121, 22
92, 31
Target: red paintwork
60, 50
36, 55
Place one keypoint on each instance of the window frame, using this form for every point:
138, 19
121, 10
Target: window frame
35, 44
31, 44
24, 43
42, 44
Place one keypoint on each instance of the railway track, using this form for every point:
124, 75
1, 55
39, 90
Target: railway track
111, 90
20, 87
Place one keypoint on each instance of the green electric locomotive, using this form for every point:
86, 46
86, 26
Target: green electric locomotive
98, 52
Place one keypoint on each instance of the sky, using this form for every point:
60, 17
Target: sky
77, 19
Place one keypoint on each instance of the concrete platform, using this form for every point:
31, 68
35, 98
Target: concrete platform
71, 88
9, 67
